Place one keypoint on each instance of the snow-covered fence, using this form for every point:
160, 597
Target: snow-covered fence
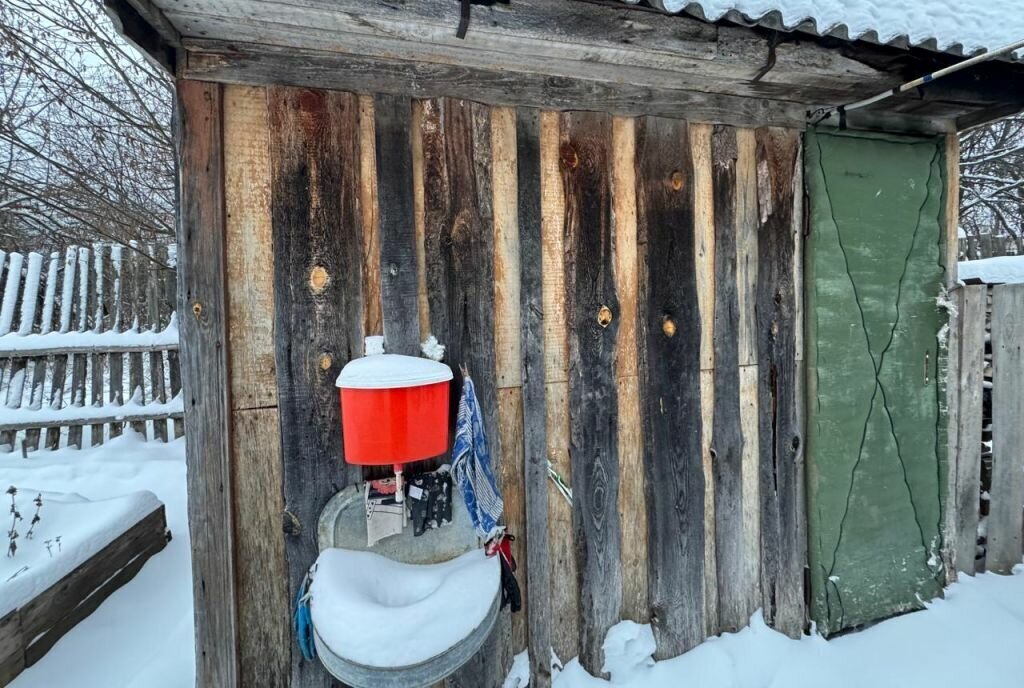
88, 339
986, 475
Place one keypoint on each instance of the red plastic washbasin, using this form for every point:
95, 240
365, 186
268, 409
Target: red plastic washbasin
394, 409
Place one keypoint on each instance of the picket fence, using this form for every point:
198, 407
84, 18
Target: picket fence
88, 343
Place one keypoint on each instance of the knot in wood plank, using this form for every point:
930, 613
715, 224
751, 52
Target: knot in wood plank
604, 316
318, 279
668, 326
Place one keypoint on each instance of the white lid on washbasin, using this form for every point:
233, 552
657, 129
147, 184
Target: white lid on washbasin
391, 371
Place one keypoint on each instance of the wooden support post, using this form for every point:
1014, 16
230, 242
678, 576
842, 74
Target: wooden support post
201, 269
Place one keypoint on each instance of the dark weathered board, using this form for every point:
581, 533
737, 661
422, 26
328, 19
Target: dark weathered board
726, 435
100, 322
135, 294
60, 363
392, 117
60, 607
669, 365
12, 647
204, 376
119, 323
538, 571
783, 549
591, 313
79, 362
459, 253
318, 312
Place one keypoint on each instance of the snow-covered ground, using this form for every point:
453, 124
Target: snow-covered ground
974, 637
141, 636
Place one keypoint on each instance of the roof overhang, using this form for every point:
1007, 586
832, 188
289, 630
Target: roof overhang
562, 54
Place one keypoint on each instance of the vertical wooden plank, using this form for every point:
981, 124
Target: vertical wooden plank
156, 358
592, 313
726, 437
19, 366
507, 345
41, 364
783, 549
669, 365
372, 323
115, 362
951, 212
168, 281
459, 250
632, 502
1005, 514
265, 641
80, 362
318, 304
538, 553
60, 363
704, 266
97, 361
565, 595
966, 490
950, 391
205, 376
419, 215
397, 229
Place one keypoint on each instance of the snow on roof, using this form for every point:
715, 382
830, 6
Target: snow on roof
962, 28
999, 270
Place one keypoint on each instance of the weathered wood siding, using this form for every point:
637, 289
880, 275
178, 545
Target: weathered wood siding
569, 261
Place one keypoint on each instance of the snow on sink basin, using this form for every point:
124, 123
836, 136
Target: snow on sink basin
376, 612
83, 526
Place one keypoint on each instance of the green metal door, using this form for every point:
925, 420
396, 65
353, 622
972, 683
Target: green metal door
875, 426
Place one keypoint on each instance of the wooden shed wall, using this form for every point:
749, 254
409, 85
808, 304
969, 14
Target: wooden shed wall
625, 292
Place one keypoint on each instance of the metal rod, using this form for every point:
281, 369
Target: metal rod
927, 78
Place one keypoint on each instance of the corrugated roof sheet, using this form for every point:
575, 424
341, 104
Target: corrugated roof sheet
962, 28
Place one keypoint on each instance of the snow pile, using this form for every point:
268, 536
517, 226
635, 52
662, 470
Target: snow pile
978, 25
432, 349
1000, 270
373, 345
141, 636
71, 529
382, 613
972, 638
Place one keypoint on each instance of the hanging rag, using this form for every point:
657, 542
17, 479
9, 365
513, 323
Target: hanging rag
303, 620
471, 466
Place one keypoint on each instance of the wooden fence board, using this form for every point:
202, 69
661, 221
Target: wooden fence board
115, 359
60, 362
156, 357
97, 361
317, 228
205, 378
38, 390
783, 550
16, 367
79, 362
592, 313
670, 348
966, 490
1005, 515
138, 315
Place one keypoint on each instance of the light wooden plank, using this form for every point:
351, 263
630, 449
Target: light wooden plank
419, 217
507, 345
565, 594
1005, 515
951, 211
632, 502
250, 259
373, 322
966, 490
201, 267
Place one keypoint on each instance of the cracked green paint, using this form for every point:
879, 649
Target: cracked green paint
874, 459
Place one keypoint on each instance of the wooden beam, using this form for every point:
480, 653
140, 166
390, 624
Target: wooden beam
203, 305
260, 65
984, 116
143, 25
